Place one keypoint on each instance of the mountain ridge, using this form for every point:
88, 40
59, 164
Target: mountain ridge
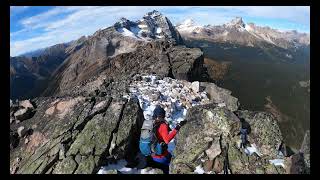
236, 28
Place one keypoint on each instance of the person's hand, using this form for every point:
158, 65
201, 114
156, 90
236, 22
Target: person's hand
178, 126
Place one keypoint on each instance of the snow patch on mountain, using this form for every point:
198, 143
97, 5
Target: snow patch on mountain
159, 30
126, 32
175, 96
188, 25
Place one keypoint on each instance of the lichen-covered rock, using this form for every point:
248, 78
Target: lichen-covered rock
238, 162
126, 144
213, 130
180, 168
265, 130
66, 166
86, 166
204, 124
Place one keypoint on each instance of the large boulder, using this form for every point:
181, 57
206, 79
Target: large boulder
201, 135
210, 139
220, 95
186, 63
265, 132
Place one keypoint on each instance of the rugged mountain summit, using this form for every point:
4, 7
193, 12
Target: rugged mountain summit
100, 95
106, 50
153, 25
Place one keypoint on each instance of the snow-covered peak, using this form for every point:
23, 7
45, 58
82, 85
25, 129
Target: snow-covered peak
152, 26
152, 14
250, 27
236, 22
187, 23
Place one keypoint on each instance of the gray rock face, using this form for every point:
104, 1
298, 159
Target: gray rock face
74, 135
305, 149
220, 95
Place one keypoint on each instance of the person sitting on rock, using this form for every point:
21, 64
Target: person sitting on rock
244, 131
162, 157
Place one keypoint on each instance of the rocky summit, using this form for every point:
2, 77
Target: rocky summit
89, 118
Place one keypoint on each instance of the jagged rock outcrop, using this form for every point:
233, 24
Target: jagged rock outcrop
156, 57
220, 95
76, 135
299, 163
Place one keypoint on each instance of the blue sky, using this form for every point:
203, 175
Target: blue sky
37, 27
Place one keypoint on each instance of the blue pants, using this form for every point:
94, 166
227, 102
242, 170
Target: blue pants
162, 163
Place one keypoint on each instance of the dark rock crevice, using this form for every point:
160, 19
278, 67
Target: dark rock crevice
105, 153
170, 74
49, 165
81, 126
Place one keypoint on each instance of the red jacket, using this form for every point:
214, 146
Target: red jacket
163, 135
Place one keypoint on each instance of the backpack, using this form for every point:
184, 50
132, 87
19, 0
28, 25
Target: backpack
148, 143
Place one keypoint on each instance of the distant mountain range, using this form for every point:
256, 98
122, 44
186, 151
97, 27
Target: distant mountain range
249, 34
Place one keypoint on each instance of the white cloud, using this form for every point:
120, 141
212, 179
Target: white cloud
81, 20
